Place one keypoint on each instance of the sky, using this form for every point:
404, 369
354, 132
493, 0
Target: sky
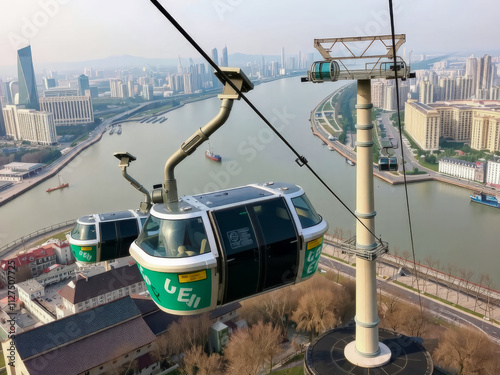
80, 30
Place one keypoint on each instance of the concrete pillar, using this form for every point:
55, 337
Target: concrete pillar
365, 351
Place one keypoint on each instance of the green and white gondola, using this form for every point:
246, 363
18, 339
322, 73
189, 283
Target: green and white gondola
211, 249
108, 236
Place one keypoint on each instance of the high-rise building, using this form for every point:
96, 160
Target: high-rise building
28, 94
6, 92
30, 125
263, 67
422, 123
486, 130
283, 62
471, 71
447, 88
2, 123
460, 120
147, 92
378, 88
83, 84
463, 88
118, 89
179, 64
188, 88
390, 98
88, 72
495, 93
225, 59
215, 57
425, 92
49, 83
14, 91
69, 110
486, 73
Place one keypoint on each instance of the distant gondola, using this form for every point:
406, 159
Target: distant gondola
100, 237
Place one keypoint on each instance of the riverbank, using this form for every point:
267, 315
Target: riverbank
388, 177
49, 171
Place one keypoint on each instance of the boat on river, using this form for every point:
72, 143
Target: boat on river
210, 155
61, 185
488, 200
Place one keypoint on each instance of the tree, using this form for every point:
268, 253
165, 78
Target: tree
416, 321
467, 351
182, 335
389, 311
249, 349
197, 362
315, 312
274, 307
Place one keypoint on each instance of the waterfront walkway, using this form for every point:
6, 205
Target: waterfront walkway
394, 179
479, 303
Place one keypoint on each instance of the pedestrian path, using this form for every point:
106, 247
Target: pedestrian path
452, 290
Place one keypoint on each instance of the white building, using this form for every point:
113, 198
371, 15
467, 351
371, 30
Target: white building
425, 92
118, 89
147, 90
69, 110
458, 168
493, 173
56, 273
30, 125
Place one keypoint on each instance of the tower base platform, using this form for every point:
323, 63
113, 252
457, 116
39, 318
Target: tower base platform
326, 355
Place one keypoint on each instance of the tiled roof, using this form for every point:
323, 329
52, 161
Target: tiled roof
89, 287
93, 351
30, 256
75, 327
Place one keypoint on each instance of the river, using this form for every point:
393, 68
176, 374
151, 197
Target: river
446, 225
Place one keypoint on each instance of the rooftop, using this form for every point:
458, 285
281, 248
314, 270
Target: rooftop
83, 288
74, 327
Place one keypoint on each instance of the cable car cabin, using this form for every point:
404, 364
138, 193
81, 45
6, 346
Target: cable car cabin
388, 163
101, 237
225, 246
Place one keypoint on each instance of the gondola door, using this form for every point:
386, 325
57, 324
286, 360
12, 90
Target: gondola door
241, 253
260, 247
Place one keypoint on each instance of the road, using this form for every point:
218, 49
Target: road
439, 309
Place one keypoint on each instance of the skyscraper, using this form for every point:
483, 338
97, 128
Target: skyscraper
215, 58
83, 84
425, 92
179, 65
2, 123
283, 63
28, 95
225, 60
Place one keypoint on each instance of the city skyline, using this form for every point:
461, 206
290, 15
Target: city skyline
66, 31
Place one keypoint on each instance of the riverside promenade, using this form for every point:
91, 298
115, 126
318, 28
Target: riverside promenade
394, 179
460, 295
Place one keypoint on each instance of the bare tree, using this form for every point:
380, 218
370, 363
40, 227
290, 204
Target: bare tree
415, 321
488, 284
467, 351
274, 307
449, 279
389, 307
249, 349
197, 362
466, 275
186, 333
430, 262
315, 312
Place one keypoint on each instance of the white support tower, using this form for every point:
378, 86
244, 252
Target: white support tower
366, 351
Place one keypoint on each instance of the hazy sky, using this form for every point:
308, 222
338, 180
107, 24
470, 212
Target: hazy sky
76, 30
